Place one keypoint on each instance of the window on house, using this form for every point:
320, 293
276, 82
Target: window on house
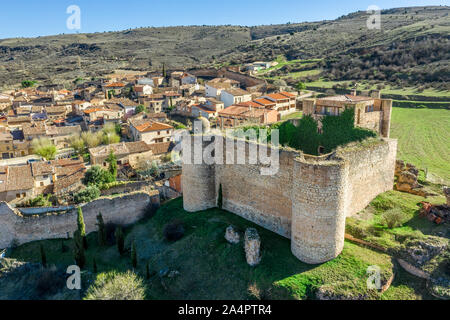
42, 184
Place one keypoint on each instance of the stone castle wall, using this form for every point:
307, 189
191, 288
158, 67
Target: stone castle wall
307, 200
123, 210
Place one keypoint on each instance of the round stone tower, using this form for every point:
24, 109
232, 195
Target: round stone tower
318, 208
198, 180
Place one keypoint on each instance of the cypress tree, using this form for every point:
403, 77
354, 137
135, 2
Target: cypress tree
43, 256
63, 247
147, 271
120, 240
95, 266
112, 160
82, 228
220, 198
101, 230
133, 255
79, 255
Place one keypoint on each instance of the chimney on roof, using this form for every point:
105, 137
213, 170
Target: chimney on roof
376, 94
354, 92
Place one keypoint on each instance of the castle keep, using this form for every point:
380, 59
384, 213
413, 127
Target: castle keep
307, 200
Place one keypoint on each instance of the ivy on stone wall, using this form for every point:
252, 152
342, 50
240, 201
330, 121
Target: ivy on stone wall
336, 131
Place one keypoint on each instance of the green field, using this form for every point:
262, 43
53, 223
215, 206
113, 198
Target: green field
211, 268
295, 115
388, 89
424, 138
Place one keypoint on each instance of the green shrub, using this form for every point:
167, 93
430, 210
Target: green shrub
174, 231
120, 240
116, 286
393, 218
88, 194
97, 176
49, 283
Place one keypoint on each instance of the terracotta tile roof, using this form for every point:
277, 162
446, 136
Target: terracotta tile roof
33, 129
122, 101
202, 108
277, 96
346, 98
92, 110
156, 115
42, 168
233, 110
264, 102
56, 109
161, 148
146, 125
19, 178
115, 85
237, 92
288, 94
252, 104
67, 181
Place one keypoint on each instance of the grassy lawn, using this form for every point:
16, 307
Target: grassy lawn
283, 62
369, 225
211, 268
389, 89
424, 138
295, 115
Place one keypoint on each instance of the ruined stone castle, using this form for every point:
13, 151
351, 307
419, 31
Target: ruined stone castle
307, 200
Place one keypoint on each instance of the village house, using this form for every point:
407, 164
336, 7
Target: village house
127, 153
142, 90
154, 81
78, 106
245, 114
128, 106
234, 96
6, 145
257, 66
18, 101
43, 177
198, 110
285, 102
109, 113
5, 102
56, 112
153, 102
115, 87
150, 131
170, 100
179, 78
371, 113
17, 121
214, 87
16, 182
59, 136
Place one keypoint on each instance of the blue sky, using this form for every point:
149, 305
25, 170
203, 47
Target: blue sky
31, 18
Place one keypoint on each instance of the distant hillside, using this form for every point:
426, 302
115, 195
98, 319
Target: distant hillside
67, 57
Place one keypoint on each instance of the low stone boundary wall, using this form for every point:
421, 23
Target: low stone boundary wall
122, 210
127, 188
